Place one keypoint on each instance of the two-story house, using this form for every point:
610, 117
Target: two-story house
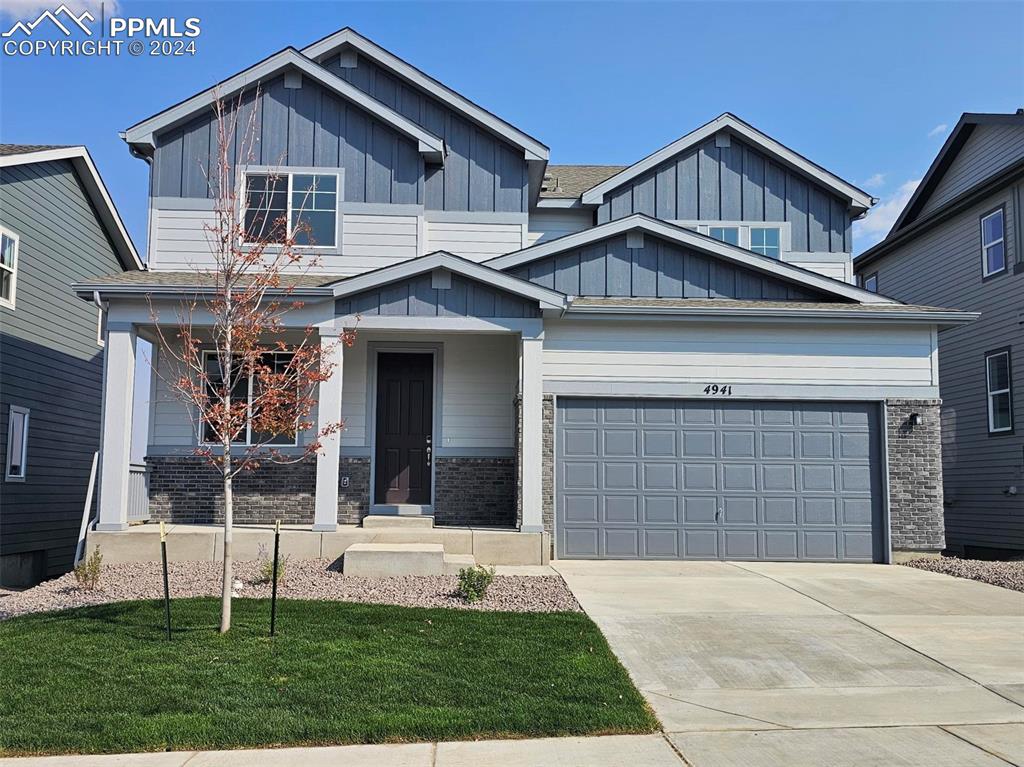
665, 360
57, 226
960, 242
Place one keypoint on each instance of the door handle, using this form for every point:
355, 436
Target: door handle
428, 453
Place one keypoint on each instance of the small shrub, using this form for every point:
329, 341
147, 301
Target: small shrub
87, 572
474, 581
266, 573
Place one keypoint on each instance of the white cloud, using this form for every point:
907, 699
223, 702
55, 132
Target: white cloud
874, 181
879, 220
29, 9
938, 130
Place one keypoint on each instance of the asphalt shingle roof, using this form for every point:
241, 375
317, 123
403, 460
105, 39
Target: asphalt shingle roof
147, 278
729, 303
8, 149
570, 181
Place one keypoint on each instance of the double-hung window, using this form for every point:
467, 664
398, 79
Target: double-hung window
17, 444
993, 245
1000, 397
303, 206
8, 266
245, 389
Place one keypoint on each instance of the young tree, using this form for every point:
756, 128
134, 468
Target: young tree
249, 381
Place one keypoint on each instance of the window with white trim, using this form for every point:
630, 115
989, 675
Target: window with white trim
765, 241
869, 282
1000, 398
729, 234
8, 266
282, 205
101, 326
17, 444
244, 389
993, 245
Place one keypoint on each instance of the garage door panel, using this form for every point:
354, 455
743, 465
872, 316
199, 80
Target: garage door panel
667, 479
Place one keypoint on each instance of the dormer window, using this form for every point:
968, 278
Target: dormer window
299, 205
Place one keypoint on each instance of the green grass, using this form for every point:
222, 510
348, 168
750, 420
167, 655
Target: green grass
104, 679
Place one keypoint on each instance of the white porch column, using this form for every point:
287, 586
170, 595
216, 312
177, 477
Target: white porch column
325, 515
532, 393
116, 437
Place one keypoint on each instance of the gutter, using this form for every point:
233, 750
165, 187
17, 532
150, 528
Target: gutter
94, 292
948, 318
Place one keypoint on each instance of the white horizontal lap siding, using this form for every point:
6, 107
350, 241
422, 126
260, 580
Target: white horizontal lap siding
353, 394
551, 224
480, 374
180, 239
475, 241
842, 272
373, 241
738, 354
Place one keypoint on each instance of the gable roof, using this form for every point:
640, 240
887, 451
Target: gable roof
950, 149
570, 181
141, 135
325, 47
688, 238
548, 299
859, 200
94, 187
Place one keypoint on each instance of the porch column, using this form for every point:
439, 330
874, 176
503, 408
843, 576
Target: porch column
116, 437
532, 393
325, 514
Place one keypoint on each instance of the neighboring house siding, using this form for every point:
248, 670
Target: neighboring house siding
988, 150
480, 173
942, 266
735, 183
656, 269
548, 224
793, 360
52, 363
416, 297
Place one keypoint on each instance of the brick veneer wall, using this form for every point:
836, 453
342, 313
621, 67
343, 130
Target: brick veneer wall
354, 500
186, 489
475, 491
915, 475
547, 464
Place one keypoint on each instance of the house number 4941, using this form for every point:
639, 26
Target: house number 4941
723, 390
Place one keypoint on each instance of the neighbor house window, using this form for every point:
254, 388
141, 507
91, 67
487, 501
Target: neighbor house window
8, 266
729, 234
870, 282
765, 240
1000, 400
993, 247
17, 443
244, 389
299, 205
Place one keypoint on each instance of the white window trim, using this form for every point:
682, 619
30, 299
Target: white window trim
864, 281
289, 173
992, 393
985, 246
101, 326
248, 421
24, 445
9, 302
704, 226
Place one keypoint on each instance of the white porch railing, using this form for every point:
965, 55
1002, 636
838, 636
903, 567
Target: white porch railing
138, 492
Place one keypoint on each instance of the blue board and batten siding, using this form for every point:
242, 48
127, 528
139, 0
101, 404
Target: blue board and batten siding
658, 269
416, 297
735, 183
52, 363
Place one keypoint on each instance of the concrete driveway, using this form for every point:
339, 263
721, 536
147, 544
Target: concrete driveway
806, 664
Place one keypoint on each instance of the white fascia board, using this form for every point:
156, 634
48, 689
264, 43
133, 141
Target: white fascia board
95, 188
693, 240
948, 318
859, 200
548, 299
532, 149
143, 132
559, 203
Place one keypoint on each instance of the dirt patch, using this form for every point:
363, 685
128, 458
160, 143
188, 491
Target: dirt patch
1009, 575
304, 579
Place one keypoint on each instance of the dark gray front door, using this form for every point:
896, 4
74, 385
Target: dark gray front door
683, 479
405, 409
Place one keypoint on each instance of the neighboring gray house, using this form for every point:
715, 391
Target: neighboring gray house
665, 360
960, 242
58, 226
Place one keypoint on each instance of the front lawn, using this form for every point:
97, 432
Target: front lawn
104, 679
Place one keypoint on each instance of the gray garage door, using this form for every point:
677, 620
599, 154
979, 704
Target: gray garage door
681, 479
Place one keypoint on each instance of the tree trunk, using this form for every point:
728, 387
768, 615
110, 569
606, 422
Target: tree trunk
229, 575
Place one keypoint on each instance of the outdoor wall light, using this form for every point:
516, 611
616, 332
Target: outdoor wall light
916, 419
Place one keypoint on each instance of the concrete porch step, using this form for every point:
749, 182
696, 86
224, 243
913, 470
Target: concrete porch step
383, 560
397, 522
455, 562
401, 510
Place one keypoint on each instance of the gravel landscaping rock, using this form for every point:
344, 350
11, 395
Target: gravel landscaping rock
304, 579
1009, 575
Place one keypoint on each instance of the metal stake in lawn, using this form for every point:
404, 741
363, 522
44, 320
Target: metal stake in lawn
167, 588
273, 577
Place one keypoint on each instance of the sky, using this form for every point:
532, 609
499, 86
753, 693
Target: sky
869, 90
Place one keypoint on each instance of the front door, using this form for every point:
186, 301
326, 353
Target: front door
405, 406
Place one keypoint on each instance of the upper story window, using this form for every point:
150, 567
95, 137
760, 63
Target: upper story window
993, 246
8, 266
729, 234
870, 282
1000, 398
245, 389
17, 444
765, 240
299, 205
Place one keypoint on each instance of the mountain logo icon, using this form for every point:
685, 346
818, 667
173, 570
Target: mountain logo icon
70, 20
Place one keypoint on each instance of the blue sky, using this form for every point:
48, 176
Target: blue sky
869, 90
